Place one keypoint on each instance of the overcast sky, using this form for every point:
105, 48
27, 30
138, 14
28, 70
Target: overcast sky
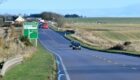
82, 7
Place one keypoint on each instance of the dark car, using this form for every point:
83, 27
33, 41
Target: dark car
75, 45
70, 31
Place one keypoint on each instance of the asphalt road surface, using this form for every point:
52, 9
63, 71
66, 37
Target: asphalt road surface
87, 64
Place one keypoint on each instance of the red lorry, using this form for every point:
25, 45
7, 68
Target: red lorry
45, 25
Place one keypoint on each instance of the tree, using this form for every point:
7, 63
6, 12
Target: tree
35, 15
72, 16
54, 17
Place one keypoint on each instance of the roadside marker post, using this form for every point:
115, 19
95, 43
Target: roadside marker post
30, 30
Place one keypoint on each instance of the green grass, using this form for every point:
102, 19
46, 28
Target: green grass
112, 31
40, 67
134, 53
122, 35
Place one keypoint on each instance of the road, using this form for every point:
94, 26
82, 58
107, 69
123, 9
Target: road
87, 64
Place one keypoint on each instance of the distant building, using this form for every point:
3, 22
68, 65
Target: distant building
20, 19
9, 18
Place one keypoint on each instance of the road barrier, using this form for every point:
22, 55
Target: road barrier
10, 63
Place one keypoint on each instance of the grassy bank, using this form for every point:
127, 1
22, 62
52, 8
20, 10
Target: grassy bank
40, 67
103, 33
89, 46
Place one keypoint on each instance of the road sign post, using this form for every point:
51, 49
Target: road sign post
30, 30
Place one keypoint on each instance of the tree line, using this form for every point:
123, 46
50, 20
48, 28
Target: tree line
58, 18
72, 16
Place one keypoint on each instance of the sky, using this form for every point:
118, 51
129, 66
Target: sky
89, 8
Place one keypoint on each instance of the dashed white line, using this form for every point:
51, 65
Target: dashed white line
133, 68
109, 61
124, 65
116, 63
100, 57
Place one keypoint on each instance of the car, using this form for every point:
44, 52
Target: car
70, 31
75, 45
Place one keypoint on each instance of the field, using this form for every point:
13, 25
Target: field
41, 66
104, 20
105, 33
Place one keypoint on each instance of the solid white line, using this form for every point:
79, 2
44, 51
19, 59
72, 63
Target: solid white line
65, 70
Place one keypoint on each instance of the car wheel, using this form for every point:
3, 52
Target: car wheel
70, 46
73, 48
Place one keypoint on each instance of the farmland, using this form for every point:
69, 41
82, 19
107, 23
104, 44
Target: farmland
104, 33
105, 20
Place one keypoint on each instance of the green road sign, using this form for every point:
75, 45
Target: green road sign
30, 29
33, 33
30, 25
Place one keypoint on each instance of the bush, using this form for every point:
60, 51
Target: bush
127, 43
1, 64
26, 41
118, 47
18, 24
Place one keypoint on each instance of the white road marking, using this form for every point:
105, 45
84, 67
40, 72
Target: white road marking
96, 56
59, 76
58, 62
104, 59
65, 70
133, 68
124, 65
116, 63
59, 72
100, 57
109, 61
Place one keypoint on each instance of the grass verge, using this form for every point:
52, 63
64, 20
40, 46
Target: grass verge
133, 53
41, 66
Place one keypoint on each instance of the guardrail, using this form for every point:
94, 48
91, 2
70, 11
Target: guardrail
10, 63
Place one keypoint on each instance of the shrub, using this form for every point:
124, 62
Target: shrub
26, 41
127, 43
118, 47
16, 24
